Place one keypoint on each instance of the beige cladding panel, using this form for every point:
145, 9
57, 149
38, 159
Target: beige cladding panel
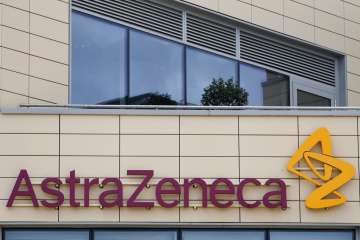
149, 145
235, 8
37, 166
29, 144
263, 146
335, 125
14, 82
209, 167
26, 213
208, 125
162, 166
90, 166
264, 215
87, 145
149, 215
149, 125
92, 214
29, 123
209, 145
209, 215
347, 213
32, 29
86, 124
54, 9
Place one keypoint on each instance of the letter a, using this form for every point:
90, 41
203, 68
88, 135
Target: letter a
16, 192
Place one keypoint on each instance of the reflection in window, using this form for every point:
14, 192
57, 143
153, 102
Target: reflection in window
311, 235
46, 235
135, 235
156, 70
223, 235
306, 99
202, 69
265, 88
98, 60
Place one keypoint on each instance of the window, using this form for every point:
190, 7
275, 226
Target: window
309, 99
223, 235
156, 70
46, 235
98, 60
115, 63
135, 235
313, 95
202, 69
265, 88
311, 235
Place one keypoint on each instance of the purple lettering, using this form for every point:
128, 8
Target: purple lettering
54, 192
72, 181
87, 185
240, 193
214, 191
16, 192
118, 192
132, 201
160, 191
195, 182
281, 193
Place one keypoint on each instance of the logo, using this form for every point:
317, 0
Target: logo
327, 173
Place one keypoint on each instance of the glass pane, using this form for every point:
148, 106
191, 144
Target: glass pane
307, 99
156, 70
311, 235
265, 88
46, 235
135, 235
98, 60
223, 235
202, 69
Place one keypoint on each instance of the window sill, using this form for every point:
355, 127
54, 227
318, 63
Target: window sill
182, 110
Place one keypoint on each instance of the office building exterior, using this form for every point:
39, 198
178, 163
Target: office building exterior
169, 119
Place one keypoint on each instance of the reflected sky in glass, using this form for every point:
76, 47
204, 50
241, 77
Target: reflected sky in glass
135, 235
223, 235
202, 69
265, 88
98, 60
311, 235
156, 66
46, 235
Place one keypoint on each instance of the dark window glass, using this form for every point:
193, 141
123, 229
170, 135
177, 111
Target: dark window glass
306, 99
202, 69
223, 235
46, 235
135, 235
156, 70
311, 235
265, 88
98, 60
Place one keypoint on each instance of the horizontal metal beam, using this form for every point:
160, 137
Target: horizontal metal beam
182, 110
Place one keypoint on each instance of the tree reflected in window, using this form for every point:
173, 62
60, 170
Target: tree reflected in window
224, 93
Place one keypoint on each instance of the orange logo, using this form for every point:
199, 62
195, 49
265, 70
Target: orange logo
327, 173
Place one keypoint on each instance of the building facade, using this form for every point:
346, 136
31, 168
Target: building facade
86, 152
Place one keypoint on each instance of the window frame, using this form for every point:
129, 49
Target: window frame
339, 90
322, 91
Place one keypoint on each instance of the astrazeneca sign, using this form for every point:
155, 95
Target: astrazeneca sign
168, 191
114, 197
